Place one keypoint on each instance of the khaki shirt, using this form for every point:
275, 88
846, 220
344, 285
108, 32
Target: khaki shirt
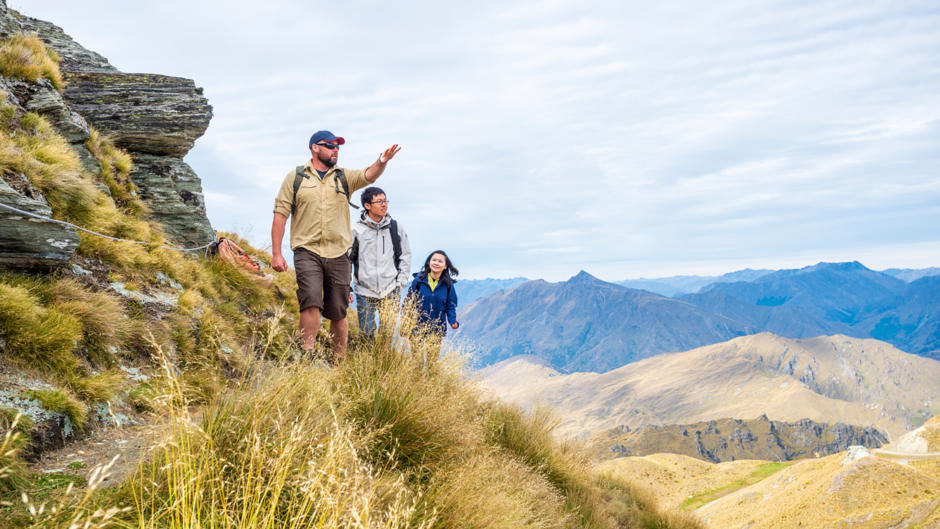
321, 221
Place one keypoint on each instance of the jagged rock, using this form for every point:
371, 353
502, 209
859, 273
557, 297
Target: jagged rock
173, 193
75, 57
9, 23
146, 113
89, 162
25, 242
42, 98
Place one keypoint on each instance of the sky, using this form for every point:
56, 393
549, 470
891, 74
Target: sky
542, 138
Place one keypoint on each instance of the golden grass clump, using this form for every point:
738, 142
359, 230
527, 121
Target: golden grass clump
14, 428
35, 336
493, 490
26, 56
105, 325
60, 401
269, 453
116, 165
97, 388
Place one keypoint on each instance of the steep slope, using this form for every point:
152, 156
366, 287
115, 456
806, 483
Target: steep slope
911, 323
826, 379
585, 323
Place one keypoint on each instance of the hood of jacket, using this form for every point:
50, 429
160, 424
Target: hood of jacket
365, 219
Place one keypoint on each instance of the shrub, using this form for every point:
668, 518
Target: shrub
25, 56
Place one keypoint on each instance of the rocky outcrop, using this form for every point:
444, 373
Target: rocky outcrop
156, 118
75, 57
731, 439
43, 99
143, 113
173, 193
28, 243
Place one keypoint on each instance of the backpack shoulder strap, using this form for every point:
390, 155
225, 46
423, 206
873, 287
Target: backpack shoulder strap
299, 176
396, 242
354, 257
340, 177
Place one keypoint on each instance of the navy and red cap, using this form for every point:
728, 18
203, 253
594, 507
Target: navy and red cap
325, 136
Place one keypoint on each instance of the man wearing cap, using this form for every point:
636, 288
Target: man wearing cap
320, 234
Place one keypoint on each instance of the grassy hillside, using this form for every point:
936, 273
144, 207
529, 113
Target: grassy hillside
251, 433
849, 489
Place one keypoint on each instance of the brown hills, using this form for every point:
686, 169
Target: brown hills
856, 488
826, 379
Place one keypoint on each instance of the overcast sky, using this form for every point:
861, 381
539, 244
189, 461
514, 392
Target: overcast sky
627, 139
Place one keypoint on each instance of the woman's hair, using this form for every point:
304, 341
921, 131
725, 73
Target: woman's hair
450, 271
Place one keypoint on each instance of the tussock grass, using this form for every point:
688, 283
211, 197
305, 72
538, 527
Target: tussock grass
14, 427
25, 56
116, 165
102, 387
60, 401
35, 336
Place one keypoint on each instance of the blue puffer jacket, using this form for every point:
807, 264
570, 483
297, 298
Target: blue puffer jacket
435, 308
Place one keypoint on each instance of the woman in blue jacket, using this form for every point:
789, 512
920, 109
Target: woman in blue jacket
434, 295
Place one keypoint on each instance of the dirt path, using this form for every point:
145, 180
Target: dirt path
130, 444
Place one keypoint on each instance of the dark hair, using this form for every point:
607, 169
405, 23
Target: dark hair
450, 271
369, 193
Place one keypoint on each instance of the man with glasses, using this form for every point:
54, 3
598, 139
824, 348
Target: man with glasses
381, 258
316, 198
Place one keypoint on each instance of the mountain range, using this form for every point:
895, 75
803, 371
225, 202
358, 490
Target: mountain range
585, 324
826, 379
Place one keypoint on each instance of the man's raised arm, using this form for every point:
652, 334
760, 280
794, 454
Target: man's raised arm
374, 171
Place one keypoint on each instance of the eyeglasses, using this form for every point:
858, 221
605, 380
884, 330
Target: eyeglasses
330, 146
379, 202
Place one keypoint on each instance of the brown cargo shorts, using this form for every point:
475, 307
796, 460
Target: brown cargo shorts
323, 283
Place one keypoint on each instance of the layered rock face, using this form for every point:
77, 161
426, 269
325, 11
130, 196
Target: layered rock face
156, 118
731, 439
26, 242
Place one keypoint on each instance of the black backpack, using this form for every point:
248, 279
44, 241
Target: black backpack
396, 248
339, 180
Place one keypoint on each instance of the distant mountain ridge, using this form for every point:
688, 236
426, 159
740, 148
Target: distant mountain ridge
677, 285
470, 290
673, 286
588, 324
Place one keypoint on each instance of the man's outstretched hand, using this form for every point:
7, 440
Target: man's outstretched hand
389, 153
279, 263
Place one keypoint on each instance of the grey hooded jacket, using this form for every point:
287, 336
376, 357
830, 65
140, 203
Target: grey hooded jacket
377, 276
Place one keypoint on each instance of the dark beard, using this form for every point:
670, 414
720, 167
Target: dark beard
327, 161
